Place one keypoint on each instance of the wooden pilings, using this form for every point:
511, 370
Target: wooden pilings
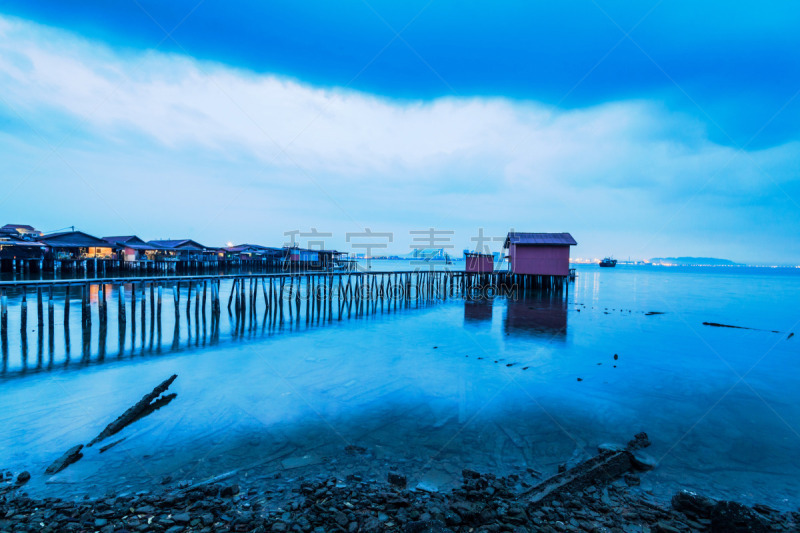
328, 297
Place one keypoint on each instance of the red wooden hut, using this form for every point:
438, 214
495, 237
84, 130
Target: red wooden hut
539, 254
478, 263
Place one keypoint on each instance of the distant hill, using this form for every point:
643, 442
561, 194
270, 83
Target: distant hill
692, 261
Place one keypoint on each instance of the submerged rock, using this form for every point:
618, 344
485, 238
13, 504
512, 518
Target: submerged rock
642, 461
70, 456
733, 517
692, 504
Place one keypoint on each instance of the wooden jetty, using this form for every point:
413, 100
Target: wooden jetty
250, 300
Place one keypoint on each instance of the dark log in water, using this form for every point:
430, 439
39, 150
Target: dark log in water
149, 403
717, 325
601, 469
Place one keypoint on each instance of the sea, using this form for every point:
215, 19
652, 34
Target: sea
702, 359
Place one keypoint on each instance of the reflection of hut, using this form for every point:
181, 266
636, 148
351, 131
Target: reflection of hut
132, 248
545, 317
539, 254
76, 245
478, 263
478, 310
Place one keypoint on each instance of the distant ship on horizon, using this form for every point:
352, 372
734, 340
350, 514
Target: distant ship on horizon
608, 262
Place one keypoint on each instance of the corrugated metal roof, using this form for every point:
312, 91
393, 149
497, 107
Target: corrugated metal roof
534, 239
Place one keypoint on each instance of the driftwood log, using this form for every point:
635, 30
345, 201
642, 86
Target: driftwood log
149, 403
610, 464
599, 470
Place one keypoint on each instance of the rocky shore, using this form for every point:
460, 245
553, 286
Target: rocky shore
483, 503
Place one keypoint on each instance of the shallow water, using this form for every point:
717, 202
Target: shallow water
420, 389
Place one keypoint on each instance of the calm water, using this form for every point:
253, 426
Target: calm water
430, 390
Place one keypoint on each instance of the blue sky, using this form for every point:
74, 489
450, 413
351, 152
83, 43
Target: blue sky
645, 129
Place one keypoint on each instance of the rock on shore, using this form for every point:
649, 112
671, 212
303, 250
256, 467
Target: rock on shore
483, 503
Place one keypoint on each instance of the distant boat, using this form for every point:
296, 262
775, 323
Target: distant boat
608, 262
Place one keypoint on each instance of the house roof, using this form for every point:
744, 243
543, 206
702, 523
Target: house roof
179, 244
15, 227
257, 248
72, 239
314, 250
13, 240
131, 241
539, 239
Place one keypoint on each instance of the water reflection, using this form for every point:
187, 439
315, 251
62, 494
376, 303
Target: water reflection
113, 322
477, 311
543, 315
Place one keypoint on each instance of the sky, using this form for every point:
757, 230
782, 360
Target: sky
645, 129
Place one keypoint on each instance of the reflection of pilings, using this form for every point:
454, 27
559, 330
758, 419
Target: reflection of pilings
4, 329
291, 291
122, 320
280, 303
23, 328
103, 334
39, 308
370, 294
51, 325
142, 317
133, 317
66, 306
86, 322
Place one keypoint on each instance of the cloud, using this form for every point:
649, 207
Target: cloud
449, 160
